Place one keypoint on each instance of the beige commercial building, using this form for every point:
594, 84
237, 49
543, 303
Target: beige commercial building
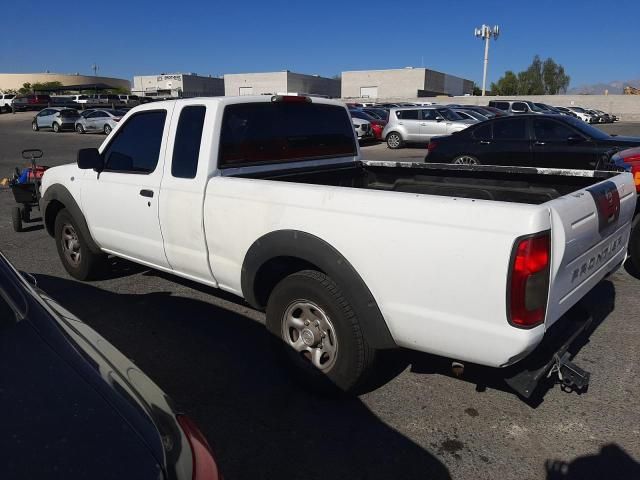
178, 85
14, 81
270, 83
402, 83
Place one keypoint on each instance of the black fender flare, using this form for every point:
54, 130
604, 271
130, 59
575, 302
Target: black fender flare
314, 250
58, 193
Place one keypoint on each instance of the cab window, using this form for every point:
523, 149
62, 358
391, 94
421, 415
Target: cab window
186, 148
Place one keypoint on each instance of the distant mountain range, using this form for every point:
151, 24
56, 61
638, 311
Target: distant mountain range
614, 88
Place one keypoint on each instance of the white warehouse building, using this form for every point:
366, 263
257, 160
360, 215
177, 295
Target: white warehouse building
406, 83
177, 85
271, 83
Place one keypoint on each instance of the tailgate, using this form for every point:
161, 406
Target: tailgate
590, 231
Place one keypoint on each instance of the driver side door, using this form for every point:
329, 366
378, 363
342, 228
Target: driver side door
557, 145
121, 203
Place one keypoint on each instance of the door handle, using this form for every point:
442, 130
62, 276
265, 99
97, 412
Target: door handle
423, 124
540, 143
485, 142
146, 193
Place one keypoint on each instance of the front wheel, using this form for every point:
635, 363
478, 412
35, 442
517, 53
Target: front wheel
394, 140
16, 219
79, 128
34, 126
318, 333
55, 127
73, 249
465, 160
634, 245
107, 129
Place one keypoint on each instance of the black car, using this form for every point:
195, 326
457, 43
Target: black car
528, 140
76, 408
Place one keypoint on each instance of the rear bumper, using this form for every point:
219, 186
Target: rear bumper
560, 341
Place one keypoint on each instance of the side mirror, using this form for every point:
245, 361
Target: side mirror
575, 139
439, 119
90, 158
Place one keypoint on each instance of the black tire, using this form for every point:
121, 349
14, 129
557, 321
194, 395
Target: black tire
16, 219
634, 245
394, 140
79, 128
34, 126
88, 264
353, 358
107, 129
55, 127
25, 213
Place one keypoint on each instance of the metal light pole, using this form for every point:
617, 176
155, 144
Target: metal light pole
486, 32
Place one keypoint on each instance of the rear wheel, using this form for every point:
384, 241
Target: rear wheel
465, 160
16, 219
394, 140
79, 128
317, 332
55, 127
73, 249
107, 129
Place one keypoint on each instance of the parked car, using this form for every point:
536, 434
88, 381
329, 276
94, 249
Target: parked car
517, 106
55, 118
528, 140
582, 114
21, 103
5, 101
131, 100
566, 111
274, 218
79, 407
418, 125
377, 125
106, 98
99, 120
488, 112
468, 114
81, 99
363, 129
379, 113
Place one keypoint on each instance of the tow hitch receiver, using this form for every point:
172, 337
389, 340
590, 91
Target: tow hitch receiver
572, 377
553, 357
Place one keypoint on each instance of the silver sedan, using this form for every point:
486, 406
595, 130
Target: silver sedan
100, 120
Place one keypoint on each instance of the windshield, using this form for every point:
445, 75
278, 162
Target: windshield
587, 129
542, 106
450, 115
534, 107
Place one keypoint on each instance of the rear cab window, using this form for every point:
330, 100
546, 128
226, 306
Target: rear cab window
186, 149
278, 132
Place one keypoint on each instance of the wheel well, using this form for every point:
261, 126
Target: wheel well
275, 270
53, 208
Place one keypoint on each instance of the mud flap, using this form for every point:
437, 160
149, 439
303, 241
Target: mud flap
553, 356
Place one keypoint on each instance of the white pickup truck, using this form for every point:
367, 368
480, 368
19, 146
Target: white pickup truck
267, 198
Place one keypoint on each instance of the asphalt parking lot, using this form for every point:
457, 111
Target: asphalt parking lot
209, 352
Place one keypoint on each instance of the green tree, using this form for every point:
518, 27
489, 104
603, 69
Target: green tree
26, 88
539, 78
506, 85
477, 91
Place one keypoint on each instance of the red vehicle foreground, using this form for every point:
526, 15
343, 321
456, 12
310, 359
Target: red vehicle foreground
630, 160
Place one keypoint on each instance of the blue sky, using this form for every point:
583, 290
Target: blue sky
595, 41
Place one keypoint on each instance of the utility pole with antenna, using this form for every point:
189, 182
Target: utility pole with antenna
95, 67
485, 32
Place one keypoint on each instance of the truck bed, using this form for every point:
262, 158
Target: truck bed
506, 184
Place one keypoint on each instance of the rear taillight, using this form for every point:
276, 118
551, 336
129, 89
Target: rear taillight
635, 170
528, 287
204, 465
432, 146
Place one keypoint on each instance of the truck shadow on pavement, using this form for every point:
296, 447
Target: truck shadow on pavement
218, 367
611, 463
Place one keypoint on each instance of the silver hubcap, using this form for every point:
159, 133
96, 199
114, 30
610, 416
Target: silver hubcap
34, 126
393, 141
70, 244
465, 160
107, 130
307, 329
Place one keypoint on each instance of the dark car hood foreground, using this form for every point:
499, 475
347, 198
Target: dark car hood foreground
75, 407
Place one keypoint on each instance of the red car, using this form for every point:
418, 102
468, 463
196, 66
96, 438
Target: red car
630, 160
30, 102
377, 125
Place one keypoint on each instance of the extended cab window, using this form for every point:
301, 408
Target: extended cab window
136, 147
186, 148
270, 132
